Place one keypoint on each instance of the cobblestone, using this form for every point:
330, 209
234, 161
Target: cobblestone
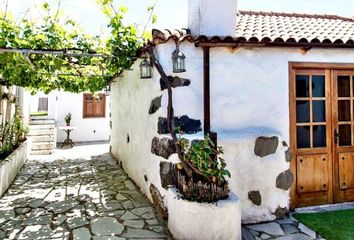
75, 197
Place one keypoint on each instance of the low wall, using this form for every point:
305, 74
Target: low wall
212, 221
10, 167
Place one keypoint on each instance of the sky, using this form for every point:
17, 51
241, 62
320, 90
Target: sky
173, 13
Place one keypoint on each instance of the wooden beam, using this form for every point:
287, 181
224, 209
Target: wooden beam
216, 44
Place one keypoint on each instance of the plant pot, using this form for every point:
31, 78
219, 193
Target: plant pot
10, 167
213, 221
68, 124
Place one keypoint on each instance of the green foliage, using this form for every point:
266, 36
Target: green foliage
68, 118
204, 156
70, 73
40, 113
12, 134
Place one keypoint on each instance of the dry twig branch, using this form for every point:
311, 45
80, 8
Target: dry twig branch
188, 166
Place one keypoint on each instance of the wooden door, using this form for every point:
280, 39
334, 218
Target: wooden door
311, 131
343, 125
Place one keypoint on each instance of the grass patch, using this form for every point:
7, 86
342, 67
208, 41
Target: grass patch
330, 225
38, 114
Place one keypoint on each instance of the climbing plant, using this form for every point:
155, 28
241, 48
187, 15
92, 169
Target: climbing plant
54, 53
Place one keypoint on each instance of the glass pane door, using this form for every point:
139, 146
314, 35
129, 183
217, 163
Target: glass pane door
310, 111
344, 135
345, 98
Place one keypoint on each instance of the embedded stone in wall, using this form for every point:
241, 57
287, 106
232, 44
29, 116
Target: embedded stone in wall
266, 146
164, 147
285, 180
155, 105
255, 197
159, 204
184, 123
288, 155
167, 174
281, 212
175, 82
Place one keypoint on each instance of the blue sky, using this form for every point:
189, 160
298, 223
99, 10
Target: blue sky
173, 13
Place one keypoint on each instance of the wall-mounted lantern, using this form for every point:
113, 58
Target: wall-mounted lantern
145, 69
107, 90
178, 59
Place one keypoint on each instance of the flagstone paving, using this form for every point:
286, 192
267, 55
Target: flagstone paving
286, 228
83, 198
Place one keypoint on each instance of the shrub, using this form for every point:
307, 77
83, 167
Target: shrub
12, 133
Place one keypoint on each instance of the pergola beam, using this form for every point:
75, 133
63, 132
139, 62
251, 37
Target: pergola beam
64, 52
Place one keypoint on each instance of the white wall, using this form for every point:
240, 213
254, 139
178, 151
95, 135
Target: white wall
24, 104
61, 103
88, 129
130, 101
249, 99
212, 18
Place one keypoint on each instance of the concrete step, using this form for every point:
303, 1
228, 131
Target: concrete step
48, 126
42, 152
43, 146
42, 122
43, 138
41, 132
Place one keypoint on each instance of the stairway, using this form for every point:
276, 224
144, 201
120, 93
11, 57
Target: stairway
42, 132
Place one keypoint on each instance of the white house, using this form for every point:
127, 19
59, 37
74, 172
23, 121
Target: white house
90, 114
281, 100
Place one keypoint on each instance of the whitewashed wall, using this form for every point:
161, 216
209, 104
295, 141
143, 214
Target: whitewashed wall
249, 99
88, 129
61, 103
130, 101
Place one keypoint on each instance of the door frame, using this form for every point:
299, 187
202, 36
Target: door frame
311, 66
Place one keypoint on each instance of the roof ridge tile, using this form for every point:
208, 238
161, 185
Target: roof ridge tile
297, 15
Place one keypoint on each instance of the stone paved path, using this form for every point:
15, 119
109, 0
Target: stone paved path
83, 198
287, 228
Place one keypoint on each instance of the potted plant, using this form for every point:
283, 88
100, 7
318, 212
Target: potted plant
202, 203
209, 171
67, 119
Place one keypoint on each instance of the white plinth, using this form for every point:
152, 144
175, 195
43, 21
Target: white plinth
202, 221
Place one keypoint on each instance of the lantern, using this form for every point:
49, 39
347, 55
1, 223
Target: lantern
107, 90
145, 69
178, 59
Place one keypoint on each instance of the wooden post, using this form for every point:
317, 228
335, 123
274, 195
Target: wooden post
206, 66
207, 125
9, 103
1, 105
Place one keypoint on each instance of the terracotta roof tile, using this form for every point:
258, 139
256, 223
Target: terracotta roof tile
272, 27
312, 28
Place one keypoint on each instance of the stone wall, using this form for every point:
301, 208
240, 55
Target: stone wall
139, 137
260, 175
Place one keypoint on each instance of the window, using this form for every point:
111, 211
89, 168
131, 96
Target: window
94, 106
43, 105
